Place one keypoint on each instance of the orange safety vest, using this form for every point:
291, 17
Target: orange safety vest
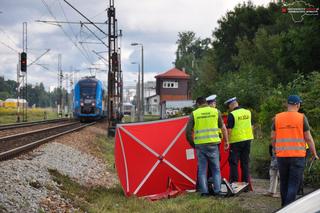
289, 137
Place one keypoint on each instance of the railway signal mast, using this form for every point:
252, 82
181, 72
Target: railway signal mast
22, 78
115, 82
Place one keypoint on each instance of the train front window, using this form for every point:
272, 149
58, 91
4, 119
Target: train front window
88, 90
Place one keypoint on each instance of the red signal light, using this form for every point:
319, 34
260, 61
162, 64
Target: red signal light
23, 62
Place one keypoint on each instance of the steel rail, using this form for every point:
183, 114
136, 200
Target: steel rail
15, 151
9, 137
33, 123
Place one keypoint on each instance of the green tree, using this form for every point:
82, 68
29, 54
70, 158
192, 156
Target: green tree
242, 22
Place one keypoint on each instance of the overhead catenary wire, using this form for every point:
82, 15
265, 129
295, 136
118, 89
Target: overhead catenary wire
98, 14
92, 23
11, 48
34, 61
105, 61
86, 50
96, 36
9, 37
85, 17
66, 34
17, 51
83, 48
67, 20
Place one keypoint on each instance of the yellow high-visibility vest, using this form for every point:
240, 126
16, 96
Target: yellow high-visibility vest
242, 129
206, 128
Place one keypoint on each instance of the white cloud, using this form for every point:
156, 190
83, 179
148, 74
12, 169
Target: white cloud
155, 23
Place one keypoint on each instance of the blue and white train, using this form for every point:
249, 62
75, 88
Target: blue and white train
88, 101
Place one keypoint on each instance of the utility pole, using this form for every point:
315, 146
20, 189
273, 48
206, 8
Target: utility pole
141, 118
139, 95
142, 83
114, 73
22, 77
66, 106
60, 77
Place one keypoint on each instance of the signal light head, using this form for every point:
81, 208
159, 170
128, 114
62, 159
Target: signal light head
23, 62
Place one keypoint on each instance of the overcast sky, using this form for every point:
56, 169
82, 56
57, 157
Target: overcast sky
154, 23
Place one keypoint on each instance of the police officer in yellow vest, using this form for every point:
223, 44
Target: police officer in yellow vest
211, 101
203, 134
239, 126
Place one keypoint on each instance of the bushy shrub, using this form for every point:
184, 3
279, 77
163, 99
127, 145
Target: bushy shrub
272, 104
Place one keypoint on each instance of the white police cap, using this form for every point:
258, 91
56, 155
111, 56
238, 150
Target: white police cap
230, 100
211, 98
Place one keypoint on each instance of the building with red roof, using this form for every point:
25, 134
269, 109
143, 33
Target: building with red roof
173, 85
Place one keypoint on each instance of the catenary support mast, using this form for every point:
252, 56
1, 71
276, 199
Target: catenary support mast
114, 72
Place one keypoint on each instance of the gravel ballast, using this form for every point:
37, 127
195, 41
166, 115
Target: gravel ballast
27, 186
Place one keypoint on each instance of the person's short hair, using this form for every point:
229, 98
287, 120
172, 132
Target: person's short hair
201, 100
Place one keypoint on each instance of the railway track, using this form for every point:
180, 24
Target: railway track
15, 129
12, 145
27, 124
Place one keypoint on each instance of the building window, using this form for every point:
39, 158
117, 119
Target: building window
170, 84
155, 100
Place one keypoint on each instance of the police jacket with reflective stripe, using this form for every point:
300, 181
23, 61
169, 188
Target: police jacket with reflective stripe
206, 125
289, 137
242, 129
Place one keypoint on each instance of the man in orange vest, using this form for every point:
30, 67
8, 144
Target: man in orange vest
290, 132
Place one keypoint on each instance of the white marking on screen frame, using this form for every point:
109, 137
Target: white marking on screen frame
190, 154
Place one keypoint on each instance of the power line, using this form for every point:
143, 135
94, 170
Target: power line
64, 14
35, 60
85, 49
11, 48
102, 12
85, 17
101, 58
74, 43
96, 36
9, 37
67, 22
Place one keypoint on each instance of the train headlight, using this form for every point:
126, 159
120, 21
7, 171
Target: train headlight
81, 104
93, 103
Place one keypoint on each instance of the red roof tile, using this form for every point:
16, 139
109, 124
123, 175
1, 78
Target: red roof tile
173, 73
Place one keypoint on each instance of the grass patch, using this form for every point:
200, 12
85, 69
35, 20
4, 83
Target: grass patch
113, 200
71, 190
9, 115
99, 199
260, 158
106, 148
